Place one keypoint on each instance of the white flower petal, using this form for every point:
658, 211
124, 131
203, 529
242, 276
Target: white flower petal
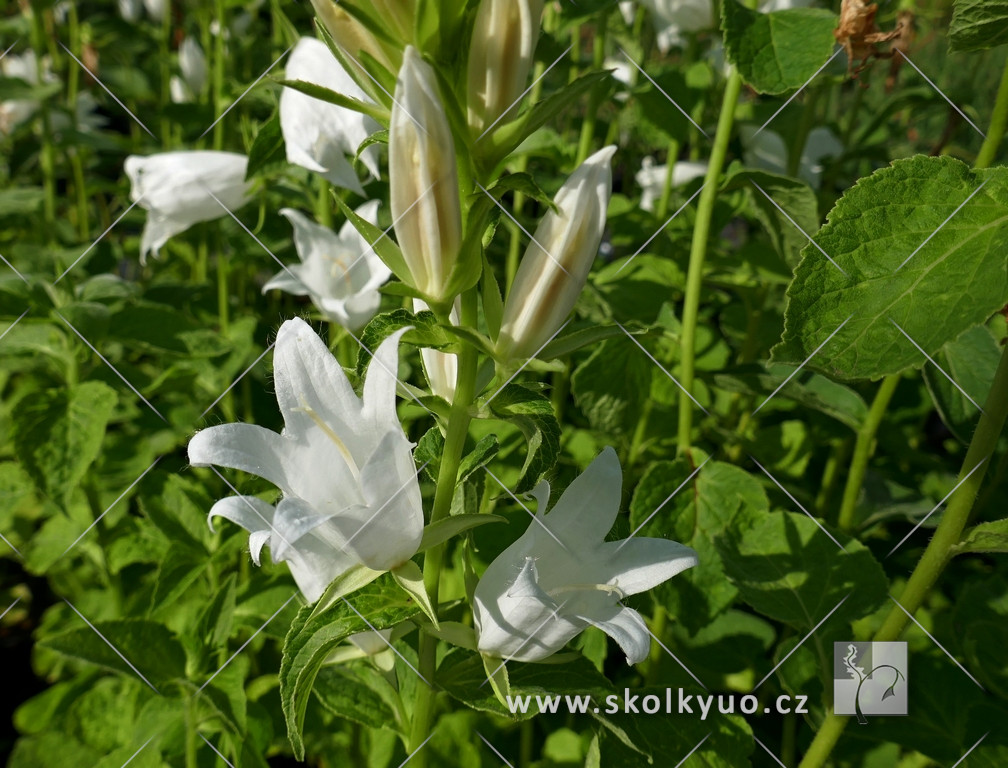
380, 381
627, 628
314, 564
639, 564
251, 513
588, 507
246, 447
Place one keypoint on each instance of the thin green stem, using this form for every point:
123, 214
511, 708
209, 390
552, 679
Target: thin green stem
698, 253
998, 124
220, 100
796, 143
937, 554
47, 156
598, 59
863, 449
191, 760
661, 211
659, 619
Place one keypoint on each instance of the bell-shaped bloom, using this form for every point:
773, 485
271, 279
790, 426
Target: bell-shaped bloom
343, 464
352, 36
651, 178
193, 66
500, 58
318, 135
562, 576
423, 180
178, 189
769, 151
555, 266
340, 272
441, 367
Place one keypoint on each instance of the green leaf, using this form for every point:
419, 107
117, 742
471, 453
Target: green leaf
218, 616
57, 435
778, 51
901, 266
410, 579
970, 361
978, 24
448, 527
382, 244
533, 414
612, 385
311, 637
582, 337
989, 537
267, 148
787, 568
149, 647
426, 332
322, 93
352, 693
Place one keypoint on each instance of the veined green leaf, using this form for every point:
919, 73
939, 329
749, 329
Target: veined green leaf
978, 24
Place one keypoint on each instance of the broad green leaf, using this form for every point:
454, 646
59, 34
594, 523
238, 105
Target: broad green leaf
904, 267
267, 148
612, 385
533, 414
787, 568
218, 615
989, 537
430, 448
777, 51
981, 622
312, 636
58, 434
970, 361
426, 332
446, 528
352, 692
978, 24
582, 337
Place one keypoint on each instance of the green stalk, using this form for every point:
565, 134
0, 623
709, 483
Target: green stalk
863, 449
74, 153
698, 252
455, 437
598, 59
47, 158
661, 211
936, 556
998, 124
218, 77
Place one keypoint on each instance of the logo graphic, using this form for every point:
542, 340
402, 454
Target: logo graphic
869, 679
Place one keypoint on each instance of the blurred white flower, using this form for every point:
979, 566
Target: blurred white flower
673, 19
320, 135
350, 490
624, 73
178, 189
157, 9
441, 367
193, 65
341, 273
131, 10
651, 178
20, 66
767, 150
562, 576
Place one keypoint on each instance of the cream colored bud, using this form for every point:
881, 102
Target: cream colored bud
555, 266
423, 180
349, 34
500, 58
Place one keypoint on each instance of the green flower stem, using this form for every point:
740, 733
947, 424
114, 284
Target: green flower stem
455, 437
47, 157
936, 556
220, 100
661, 211
191, 760
74, 153
698, 252
998, 124
863, 449
598, 59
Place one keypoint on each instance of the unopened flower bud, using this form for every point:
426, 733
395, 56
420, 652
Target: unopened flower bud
500, 57
350, 35
423, 180
555, 266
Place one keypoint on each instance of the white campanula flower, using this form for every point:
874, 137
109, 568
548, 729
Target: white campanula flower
318, 135
130, 10
423, 180
651, 178
555, 266
20, 66
441, 367
178, 189
343, 464
157, 9
340, 272
562, 576
768, 150
193, 66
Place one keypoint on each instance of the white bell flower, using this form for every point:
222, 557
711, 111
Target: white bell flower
350, 491
769, 151
441, 367
651, 178
318, 135
562, 576
340, 272
178, 189
193, 66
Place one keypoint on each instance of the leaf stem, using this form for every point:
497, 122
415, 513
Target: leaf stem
998, 123
936, 556
863, 449
698, 252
